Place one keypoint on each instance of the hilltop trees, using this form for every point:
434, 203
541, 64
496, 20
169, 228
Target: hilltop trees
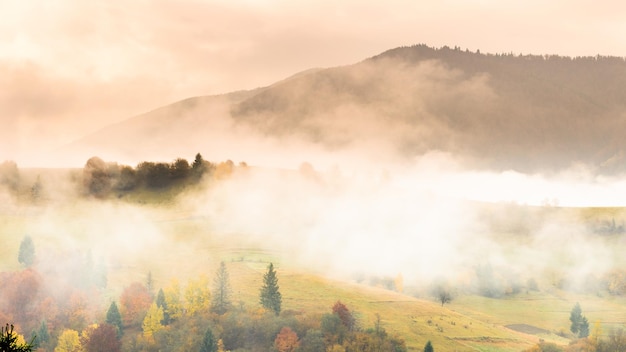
271, 298
26, 255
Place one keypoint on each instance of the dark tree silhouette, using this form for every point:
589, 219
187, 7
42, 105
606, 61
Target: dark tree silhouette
8, 341
429, 347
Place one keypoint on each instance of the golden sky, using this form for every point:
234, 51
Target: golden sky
68, 67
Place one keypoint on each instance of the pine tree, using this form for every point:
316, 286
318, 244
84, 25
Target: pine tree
209, 344
43, 335
9, 341
220, 302
429, 347
584, 328
270, 296
26, 255
575, 318
162, 303
115, 318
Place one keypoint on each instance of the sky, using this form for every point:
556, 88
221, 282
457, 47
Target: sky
70, 67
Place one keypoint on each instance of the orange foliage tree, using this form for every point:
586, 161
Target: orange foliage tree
134, 303
286, 340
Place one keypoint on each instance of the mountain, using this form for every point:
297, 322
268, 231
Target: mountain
524, 112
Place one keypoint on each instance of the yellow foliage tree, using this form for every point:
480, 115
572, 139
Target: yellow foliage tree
173, 301
152, 321
197, 295
399, 283
68, 342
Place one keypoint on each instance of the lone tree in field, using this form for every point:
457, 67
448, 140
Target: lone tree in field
580, 324
220, 302
429, 347
270, 296
26, 255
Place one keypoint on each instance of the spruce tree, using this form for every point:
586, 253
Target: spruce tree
429, 347
43, 335
220, 302
576, 318
26, 255
584, 328
270, 295
209, 343
115, 318
162, 303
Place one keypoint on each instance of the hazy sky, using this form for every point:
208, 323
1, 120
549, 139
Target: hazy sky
68, 67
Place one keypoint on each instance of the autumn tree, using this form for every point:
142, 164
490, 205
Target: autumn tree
9, 341
209, 342
220, 301
442, 292
102, 339
26, 253
197, 295
173, 300
68, 341
344, 314
152, 321
286, 340
115, 318
271, 298
134, 303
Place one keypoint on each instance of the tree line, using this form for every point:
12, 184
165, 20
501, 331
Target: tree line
101, 178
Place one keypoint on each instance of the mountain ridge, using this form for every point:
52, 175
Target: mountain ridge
531, 113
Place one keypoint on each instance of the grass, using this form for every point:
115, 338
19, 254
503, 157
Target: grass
176, 245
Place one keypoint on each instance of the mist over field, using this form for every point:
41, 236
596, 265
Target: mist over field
467, 192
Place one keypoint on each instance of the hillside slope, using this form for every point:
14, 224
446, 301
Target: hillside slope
527, 113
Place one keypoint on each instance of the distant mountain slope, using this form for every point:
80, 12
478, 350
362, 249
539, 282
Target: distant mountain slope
527, 113
504, 111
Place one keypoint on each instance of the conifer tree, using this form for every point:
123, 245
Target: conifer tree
270, 295
43, 335
9, 341
576, 318
220, 302
115, 318
209, 343
162, 303
429, 347
26, 255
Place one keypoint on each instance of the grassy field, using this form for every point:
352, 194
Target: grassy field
138, 235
